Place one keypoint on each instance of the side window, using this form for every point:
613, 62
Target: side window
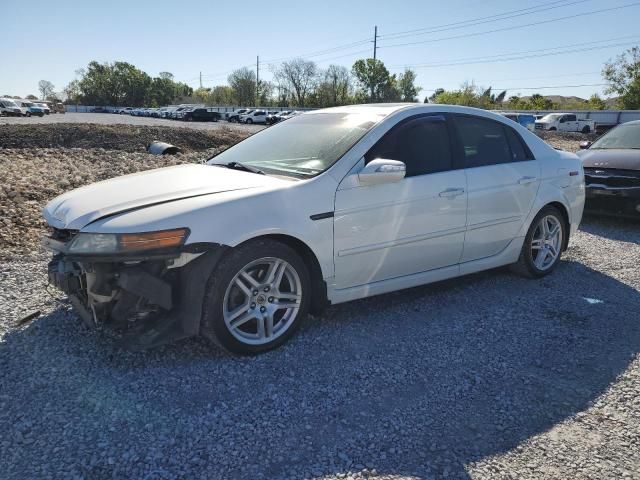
484, 141
571, 118
519, 151
422, 144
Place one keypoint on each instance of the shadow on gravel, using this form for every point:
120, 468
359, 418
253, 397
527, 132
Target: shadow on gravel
419, 383
613, 228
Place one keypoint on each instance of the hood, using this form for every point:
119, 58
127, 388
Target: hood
77, 208
623, 159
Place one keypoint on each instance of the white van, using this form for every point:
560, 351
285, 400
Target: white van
9, 108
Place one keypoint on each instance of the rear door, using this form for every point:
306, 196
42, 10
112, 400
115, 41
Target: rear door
502, 183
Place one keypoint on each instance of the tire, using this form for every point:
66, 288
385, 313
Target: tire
189, 119
233, 120
586, 129
552, 129
41, 115
231, 296
248, 121
28, 114
530, 265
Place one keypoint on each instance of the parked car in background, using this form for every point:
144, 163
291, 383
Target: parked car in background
527, 120
366, 200
276, 117
46, 108
254, 116
98, 110
123, 110
612, 171
201, 115
29, 108
235, 115
565, 122
9, 108
59, 107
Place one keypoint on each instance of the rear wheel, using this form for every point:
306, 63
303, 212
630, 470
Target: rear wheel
28, 114
543, 244
256, 297
552, 129
586, 129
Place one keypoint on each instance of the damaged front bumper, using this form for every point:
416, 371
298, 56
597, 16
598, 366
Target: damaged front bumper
151, 298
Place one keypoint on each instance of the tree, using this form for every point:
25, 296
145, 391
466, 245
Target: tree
373, 77
299, 77
596, 103
46, 88
623, 76
31, 97
538, 102
406, 85
243, 84
337, 85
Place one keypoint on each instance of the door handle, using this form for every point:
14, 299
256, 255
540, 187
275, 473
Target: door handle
526, 180
451, 192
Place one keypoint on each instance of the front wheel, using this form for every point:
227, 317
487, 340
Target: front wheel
256, 298
249, 121
28, 114
543, 244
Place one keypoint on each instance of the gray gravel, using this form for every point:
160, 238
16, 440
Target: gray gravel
114, 119
488, 376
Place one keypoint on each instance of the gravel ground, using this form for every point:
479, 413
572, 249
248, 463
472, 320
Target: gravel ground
113, 119
483, 377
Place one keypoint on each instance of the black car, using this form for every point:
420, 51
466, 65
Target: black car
201, 115
275, 117
612, 171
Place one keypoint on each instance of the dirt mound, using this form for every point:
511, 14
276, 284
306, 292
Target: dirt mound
128, 138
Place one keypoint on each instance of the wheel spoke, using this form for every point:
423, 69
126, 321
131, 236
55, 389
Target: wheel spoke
261, 327
268, 325
276, 272
242, 286
536, 244
540, 259
286, 304
232, 315
249, 279
242, 319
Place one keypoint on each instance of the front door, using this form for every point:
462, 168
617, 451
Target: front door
414, 225
502, 183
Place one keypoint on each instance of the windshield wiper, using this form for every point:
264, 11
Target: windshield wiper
241, 166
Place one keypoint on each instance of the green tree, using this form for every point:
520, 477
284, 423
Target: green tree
374, 80
31, 97
538, 102
407, 87
623, 77
243, 84
596, 103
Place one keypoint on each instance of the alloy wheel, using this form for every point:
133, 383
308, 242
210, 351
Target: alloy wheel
262, 301
546, 242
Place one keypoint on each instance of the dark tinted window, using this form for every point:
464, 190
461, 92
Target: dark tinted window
484, 141
570, 118
422, 144
519, 151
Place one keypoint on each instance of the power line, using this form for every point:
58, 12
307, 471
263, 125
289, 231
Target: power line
546, 87
504, 29
518, 55
481, 20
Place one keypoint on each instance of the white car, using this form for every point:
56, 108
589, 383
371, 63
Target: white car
565, 122
330, 206
254, 116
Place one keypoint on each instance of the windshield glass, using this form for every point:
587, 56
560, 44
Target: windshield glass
9, 103
301, 146
550, 118
623, 136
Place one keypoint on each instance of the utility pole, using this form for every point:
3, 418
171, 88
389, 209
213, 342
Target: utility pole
200, 79
375, 41
257, 78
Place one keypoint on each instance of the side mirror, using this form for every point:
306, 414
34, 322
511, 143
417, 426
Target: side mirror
382, 170
584, 145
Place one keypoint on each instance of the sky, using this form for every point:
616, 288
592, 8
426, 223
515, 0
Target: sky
445, 42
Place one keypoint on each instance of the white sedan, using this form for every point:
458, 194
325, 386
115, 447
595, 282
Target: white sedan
330, 206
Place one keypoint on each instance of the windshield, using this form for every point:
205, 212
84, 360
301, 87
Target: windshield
623, 136
302, 146
551, 117
9, 103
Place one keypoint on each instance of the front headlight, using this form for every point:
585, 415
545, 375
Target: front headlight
109, 243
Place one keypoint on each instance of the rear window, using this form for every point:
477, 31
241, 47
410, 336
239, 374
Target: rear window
484, 141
